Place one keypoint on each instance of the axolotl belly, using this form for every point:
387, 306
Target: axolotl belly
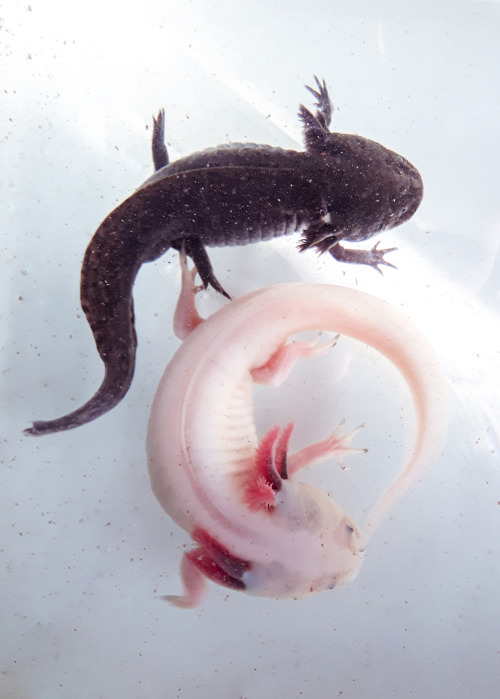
257, 528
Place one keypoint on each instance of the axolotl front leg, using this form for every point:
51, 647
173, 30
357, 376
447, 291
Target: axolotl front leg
272, 464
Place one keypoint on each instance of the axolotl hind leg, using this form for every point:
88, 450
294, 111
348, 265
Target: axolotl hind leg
158, 147
279, 367
186, 317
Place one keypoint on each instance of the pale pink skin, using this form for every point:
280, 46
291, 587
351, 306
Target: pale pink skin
202, 441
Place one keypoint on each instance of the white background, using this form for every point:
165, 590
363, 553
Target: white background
86, 553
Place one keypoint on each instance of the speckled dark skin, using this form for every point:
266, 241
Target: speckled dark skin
341, 188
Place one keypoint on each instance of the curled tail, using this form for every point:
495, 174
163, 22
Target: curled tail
140, 230
108, 273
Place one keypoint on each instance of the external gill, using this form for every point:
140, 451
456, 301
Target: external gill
209, 560
269, 470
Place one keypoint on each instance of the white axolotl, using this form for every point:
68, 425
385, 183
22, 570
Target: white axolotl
257, 528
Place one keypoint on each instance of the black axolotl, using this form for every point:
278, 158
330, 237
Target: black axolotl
341, 188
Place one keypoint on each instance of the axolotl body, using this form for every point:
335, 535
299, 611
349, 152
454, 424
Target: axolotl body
341, 188
257, 528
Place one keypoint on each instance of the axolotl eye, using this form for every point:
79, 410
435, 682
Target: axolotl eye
348, 535
350, 529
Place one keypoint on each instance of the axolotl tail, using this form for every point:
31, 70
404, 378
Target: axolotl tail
108, 273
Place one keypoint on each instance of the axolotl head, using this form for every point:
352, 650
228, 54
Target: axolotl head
367, 187
370, 188
312, 545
